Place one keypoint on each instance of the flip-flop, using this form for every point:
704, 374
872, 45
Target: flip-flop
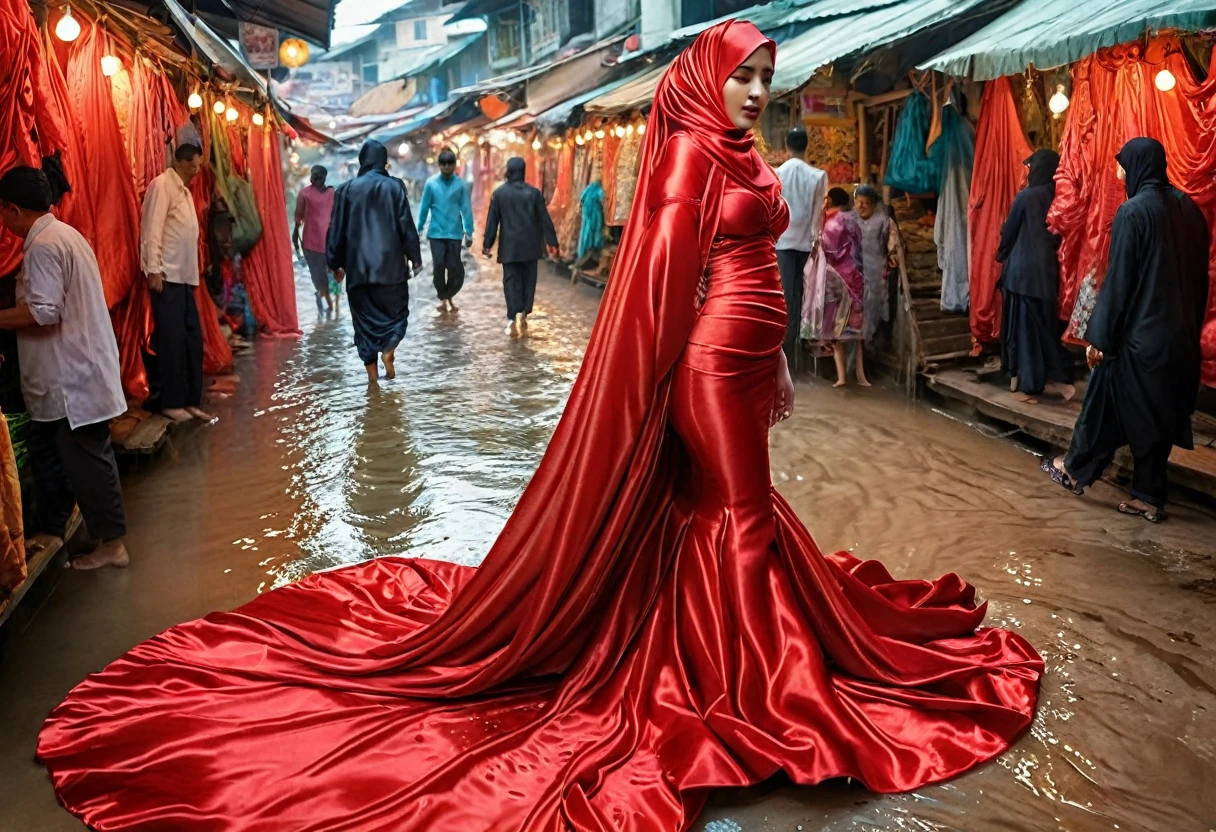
1060, 478
1152, 517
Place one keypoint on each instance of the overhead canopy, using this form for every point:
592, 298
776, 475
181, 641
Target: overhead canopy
559, 115
215, 49
1051, 33
385, 98
634, 94
510, 80
799, 57
310, 19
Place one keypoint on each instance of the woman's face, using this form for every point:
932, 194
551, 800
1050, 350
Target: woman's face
865, 207
746, 92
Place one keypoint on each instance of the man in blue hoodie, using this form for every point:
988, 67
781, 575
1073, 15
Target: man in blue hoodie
445, 201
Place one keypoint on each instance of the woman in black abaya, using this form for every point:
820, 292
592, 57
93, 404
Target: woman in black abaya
1144, 336
1031, 352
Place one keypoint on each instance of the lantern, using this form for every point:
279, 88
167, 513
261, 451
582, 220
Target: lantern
1165, 80
293, 53
194, 101
1058, 103
68, 27
493, 107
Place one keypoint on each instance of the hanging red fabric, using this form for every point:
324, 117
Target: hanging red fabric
1115, 99
268, 271
1000, 150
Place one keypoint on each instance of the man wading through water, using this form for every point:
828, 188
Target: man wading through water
371, 233
445, 201
526, 229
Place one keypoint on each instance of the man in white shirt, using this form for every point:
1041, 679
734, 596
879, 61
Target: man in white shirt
169, 256
70, 375
803, 187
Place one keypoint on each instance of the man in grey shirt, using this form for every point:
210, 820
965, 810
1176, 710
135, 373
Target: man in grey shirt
70, 375
803, 187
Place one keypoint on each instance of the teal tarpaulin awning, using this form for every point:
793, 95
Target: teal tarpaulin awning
1051, 33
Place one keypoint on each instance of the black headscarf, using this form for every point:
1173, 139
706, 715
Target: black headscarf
26, 188
1143, 162
1042, 164
516, 168
373, 156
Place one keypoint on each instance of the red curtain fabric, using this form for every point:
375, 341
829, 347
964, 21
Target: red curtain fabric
75, 208
1115, 99
268, 271
1000, 150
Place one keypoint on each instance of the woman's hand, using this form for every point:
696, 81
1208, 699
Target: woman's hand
1093, 357
783, 400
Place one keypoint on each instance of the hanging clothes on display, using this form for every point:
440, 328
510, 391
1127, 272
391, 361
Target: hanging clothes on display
1000, 149
268, 271
612, 149
12, 529
591, 236
912, 168
626, 176
1114, 99
957, 142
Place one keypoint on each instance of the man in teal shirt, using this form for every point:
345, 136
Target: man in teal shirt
445, 201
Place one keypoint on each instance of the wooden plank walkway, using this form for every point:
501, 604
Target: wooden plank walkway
1052, 420
41, 552
139, 432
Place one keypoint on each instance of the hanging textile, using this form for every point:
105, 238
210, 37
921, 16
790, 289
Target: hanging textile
1000, 150
911, 167
12, 535
563, 191
1114, 99
571, 224
612, 149
591, 237
77, 206
27, 106
217, 352
268, 272
626, 176
957, 140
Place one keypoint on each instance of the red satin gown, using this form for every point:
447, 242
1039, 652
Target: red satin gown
756, 654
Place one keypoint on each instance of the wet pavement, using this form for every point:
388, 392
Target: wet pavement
307, 470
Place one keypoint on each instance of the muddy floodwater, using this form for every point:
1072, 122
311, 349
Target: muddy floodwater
308, 470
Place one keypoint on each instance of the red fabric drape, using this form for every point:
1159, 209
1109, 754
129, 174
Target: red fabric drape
269, 275
1115, 99
1000, 150
76, 207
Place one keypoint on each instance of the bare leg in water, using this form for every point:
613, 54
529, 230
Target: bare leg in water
842, 370
860, 364
390, 370
109, 553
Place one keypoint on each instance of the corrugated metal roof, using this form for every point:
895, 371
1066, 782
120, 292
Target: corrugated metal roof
558, 115
1051, 33
444, 53
799, 57
632, 95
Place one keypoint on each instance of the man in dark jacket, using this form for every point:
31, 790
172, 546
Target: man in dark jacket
526, 229
1144, 336
371, 234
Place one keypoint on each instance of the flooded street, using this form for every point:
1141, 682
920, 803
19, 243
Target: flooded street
307, 469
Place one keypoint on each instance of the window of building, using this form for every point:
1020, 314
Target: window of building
504, 41
546, 27
420, 30
371, 73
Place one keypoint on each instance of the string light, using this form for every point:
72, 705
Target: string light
258, 119
642, 129
1165, 80
219, 107
579, 140
231, 114
294, 158
68, 27
620, 132
403, 150
629, 130
110, 65
599, 134
195, 101
536, 144
1058, 102
587, 136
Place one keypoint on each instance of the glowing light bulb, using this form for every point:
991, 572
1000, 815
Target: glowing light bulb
294, 158
231, 114
641, 129
333, 125
1165, 80
536, 144
68, 27
259, 119
620, 132
403, 150
110, 65
580, 141
195, 101
219, 107
629, 130
587, 136
1058, 102
599, 134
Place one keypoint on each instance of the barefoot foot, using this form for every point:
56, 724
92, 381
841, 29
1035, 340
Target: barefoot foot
390, 370
373, 373
840, 383
112, 553
200, 414
177, 414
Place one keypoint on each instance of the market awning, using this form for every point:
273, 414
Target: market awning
1051, 33
559, 115
214, 48
634, 94
310, 19
799, 57
385, 98
510, 80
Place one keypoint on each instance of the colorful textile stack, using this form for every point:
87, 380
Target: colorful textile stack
1114, 98
1000, 151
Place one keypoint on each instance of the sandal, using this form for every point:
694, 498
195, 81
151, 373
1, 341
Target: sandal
1155, 516
1061, 478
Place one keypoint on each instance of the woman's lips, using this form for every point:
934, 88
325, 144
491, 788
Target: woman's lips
751, 112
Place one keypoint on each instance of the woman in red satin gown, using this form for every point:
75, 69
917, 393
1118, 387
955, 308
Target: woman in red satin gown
653, 622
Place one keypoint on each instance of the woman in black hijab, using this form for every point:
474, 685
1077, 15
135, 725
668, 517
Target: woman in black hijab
1031, 352
1144, 336
371, 234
